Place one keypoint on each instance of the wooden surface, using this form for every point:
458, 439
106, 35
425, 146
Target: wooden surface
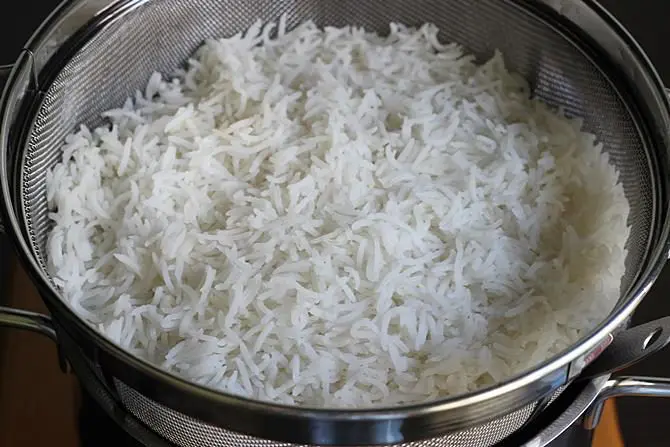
36, 398
608, 433
37, 401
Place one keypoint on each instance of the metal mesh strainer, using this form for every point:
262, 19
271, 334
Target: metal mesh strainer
186, 431
160, 35
94, 53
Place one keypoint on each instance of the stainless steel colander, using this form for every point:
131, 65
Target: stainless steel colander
89, 55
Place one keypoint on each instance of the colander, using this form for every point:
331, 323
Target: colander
89, 55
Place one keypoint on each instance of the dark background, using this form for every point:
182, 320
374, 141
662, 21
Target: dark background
643, 420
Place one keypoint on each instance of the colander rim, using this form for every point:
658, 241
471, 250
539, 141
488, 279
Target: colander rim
553, 373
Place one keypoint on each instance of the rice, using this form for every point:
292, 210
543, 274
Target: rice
337, 219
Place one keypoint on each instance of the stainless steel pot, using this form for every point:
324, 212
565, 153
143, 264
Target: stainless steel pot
89, 55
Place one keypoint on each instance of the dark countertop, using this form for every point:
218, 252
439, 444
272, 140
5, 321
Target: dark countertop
643, 420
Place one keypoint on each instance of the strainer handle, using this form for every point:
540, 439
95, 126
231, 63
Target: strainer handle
22, 319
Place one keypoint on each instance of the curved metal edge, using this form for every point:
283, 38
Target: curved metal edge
572, 414
667, 93
626, 387
625, 55
30, 321
105, 398
211, 406
5, 70
589, 404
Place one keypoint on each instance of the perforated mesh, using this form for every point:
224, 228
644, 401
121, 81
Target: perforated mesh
185, 431
160, 34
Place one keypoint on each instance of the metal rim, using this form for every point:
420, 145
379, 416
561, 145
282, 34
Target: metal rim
304, 425
565, 412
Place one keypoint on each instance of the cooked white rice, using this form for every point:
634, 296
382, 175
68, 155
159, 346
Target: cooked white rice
333, 218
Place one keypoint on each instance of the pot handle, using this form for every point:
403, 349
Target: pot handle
30, 321
625, 387
587, 406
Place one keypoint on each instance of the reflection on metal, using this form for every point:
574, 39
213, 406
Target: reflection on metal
30, 321
626, 387
570, 415
70, 56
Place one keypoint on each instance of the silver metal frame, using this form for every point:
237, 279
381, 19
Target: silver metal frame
72, 24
